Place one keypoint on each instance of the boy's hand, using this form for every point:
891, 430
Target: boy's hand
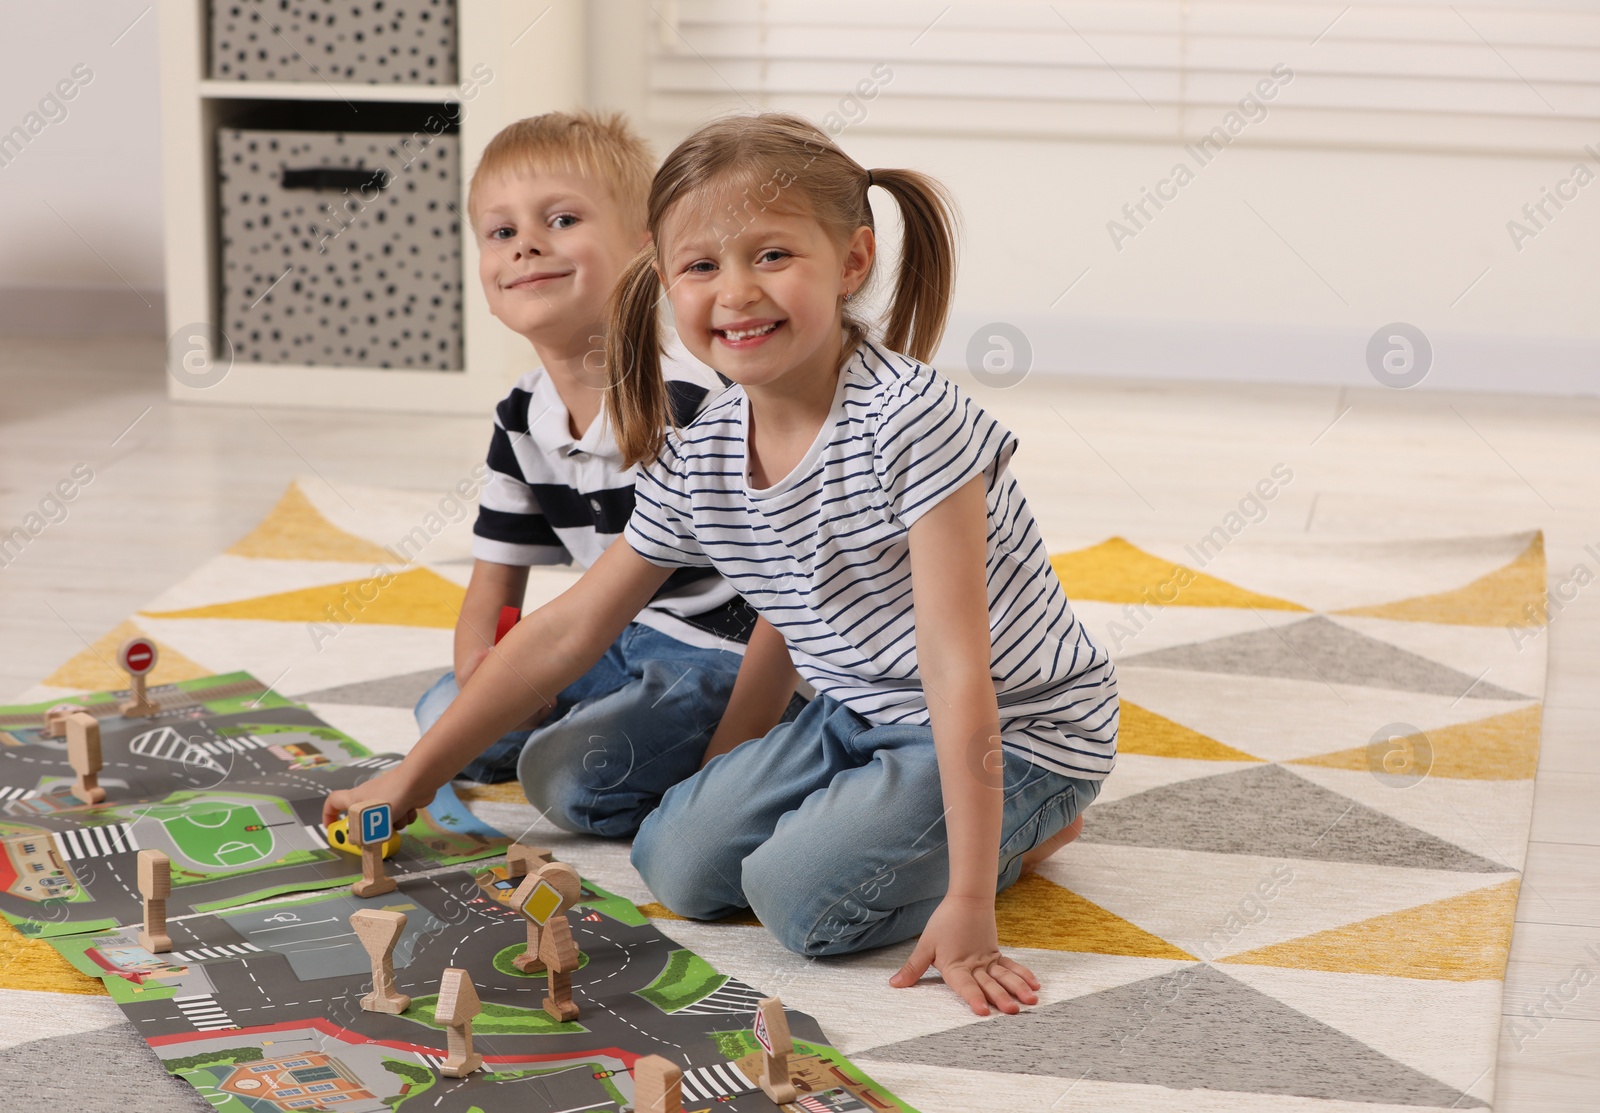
470, 666
961, 941
390, 788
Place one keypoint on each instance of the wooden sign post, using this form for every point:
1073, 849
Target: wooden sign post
137, 657
458, 1003
520, 858
536, 905
771, 1030
370, 826
657, 1086
83, 754
155, 886
379, 930
55, 720
543, 899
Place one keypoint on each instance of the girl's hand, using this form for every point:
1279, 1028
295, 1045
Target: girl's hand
961, 941
476, 659
393, 788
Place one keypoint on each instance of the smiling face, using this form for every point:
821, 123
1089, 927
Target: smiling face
762, 301
551, 246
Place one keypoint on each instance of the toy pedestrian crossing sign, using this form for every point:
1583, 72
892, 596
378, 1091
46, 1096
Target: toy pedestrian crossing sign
771, 1030
376, 824
542, 903
763, 1037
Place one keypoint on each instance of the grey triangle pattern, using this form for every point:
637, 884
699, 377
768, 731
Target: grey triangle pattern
1267, 810
1318, 649
388, 691
1194, 1028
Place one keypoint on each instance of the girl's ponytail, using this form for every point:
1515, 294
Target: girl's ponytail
638, 390
926, 279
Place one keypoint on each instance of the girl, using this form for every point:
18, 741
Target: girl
864, 507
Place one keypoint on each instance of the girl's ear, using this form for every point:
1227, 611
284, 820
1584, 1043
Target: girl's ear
858, 256
646, 240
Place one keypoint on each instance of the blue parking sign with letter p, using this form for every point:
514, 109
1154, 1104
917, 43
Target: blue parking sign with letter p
377, 824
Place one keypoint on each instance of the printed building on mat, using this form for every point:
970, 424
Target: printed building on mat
31, 868
306, 1080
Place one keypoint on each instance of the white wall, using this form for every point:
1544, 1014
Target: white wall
1340, 242
1207, 289
97, 165
1274, 263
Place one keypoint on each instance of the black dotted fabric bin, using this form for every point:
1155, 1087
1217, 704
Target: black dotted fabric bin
374, 42
340, 249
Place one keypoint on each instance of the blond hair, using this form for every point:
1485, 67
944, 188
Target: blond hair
804, 171
602, 146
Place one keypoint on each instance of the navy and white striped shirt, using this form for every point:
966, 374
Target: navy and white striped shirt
824, 554
555, 499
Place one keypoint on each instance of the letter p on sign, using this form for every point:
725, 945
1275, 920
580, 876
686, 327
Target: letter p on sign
376, 824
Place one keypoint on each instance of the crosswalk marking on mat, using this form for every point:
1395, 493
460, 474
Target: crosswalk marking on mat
237, 743
220, 950
719, 1080
202, 1010
317, 835
9, 794
379, 762
95, 842
731, 997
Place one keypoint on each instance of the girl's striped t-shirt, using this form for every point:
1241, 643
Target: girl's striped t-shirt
824, 554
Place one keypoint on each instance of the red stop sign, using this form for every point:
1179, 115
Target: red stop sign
137, 655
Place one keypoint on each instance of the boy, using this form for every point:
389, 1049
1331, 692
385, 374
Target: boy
557, 202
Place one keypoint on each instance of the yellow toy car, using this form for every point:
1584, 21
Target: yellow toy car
339, 839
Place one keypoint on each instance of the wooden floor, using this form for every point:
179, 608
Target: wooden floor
174, 485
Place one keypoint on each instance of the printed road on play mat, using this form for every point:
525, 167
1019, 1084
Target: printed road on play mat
261, 1004
228, 780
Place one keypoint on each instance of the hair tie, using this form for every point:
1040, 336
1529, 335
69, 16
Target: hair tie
869, 179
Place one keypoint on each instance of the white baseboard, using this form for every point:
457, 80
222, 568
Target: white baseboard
1275, 354
82, 311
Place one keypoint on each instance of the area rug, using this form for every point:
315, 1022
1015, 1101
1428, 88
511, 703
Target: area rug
1296, 890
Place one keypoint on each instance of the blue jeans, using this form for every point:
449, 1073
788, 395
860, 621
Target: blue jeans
832, 831
635, 724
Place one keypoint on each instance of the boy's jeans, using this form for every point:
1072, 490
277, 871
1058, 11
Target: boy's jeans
630, 728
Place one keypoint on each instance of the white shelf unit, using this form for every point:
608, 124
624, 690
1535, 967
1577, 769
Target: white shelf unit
534, 54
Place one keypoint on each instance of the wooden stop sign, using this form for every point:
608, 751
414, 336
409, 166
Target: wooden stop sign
137, 655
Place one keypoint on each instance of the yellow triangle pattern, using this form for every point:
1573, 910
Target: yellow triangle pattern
415, 598
1459, 939
34, 964
504, 792
296, 530
1510, 596
1499, 748
1041, 914
95, 669
1116, 571
1142, 731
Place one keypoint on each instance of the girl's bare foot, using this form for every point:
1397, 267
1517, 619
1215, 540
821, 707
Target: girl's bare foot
1055, 842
